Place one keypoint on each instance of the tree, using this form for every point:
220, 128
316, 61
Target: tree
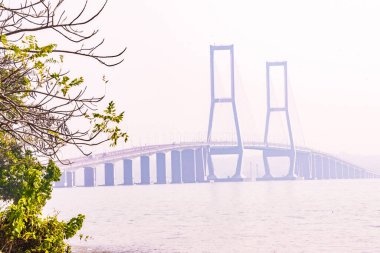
27, 185
37, 100
37, 103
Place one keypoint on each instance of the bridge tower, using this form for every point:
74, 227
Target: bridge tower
223, 150
287, 152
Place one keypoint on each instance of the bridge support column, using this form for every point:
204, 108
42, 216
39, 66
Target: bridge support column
62, 180
199, 165
319, 167
145, 169
348, 171
238, 148
291, 152
299, 166
176, 167
306, 166
314, 166
127, 172
310, 165
188, 166
327, 169
161, 168
355, 173
89, 177
339, 170
303, 165
109, 174
333, 172
70, 178
351, 172
344, 171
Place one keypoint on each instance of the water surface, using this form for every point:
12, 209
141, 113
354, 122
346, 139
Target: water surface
281, 216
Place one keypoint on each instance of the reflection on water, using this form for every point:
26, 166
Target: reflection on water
287, 216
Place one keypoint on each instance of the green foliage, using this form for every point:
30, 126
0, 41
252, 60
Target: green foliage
26, 185
37, 103
30, 127
102, 122
41, 100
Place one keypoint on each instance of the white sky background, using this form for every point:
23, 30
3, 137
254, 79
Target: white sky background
332, 49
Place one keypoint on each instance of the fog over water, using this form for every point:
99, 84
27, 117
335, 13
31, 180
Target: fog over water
332, 53
288, 216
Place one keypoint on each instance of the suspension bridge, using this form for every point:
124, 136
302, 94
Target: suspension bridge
192, 162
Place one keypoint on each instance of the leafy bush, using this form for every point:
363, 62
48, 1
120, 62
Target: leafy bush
25, 186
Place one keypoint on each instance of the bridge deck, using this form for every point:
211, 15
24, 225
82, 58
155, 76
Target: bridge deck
131, 153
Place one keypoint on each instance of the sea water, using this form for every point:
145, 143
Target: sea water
272, 216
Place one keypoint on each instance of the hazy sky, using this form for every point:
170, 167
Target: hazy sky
332, 49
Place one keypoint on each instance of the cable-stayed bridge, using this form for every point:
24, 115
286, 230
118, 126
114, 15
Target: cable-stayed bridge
192, 162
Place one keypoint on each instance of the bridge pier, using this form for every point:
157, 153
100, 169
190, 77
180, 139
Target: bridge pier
161, 168
350, 172
89, 177
355, 173
339, 170
109, 174
298, 166
238, 148
145, 169
199, 165
307, 172
176, 167
318, 167
333, 172
127, 172
188, 166
62, 180
324, 170
315, 168
303, 165
344, 171
291, 152
70, 177
277, 153
312, 166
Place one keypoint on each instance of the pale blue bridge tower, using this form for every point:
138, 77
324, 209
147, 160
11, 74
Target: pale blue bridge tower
223, 149
286, 152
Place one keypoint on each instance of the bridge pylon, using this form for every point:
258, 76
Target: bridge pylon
286, 152
223, 150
